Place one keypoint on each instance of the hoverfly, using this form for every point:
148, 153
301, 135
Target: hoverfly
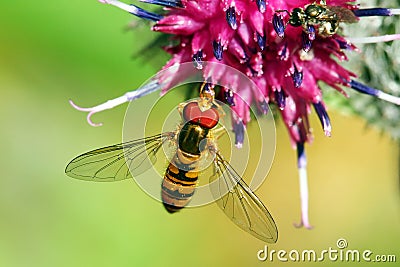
192, 141
325, 18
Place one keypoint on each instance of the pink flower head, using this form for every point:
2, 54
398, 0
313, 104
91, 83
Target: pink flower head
255, 37
285, 47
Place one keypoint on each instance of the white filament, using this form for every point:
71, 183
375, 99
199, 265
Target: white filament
374, 39
104, 106
151, 87
303, 180
389, 98
121, 5
395, 11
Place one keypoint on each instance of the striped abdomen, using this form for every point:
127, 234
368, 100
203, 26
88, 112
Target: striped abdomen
178, 186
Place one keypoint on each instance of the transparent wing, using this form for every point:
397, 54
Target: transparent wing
115, 163
344, 14
240, 204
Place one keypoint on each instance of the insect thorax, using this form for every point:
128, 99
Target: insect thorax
192, 138
314, 10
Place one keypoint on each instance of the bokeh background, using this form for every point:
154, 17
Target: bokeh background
51, 51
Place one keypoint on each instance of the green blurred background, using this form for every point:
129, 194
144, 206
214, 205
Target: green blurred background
56, 50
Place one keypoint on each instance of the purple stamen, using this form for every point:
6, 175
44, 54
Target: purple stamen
141, 13
282, 53
301, 156
261, 41
297, 77
362, 88
231, 17
238, 128
280, 99
323, 117
229, 97
134, 10
197, 59
261, 4
311, 32
264, 106
146, 89
369, 12
279, 25
165, 3
217, 49
343, 44
307, 43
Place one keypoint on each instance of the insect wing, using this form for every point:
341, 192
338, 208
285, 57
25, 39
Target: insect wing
240, 204
344, 14
120, 161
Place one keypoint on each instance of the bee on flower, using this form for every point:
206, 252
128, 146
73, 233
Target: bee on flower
286, 47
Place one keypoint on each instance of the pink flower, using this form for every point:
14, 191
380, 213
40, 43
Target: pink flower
280, 45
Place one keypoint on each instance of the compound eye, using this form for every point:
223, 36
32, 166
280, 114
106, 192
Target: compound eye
206, 119
297, 17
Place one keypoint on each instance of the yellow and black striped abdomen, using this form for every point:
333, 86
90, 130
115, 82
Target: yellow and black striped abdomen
178, 186
180, 179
